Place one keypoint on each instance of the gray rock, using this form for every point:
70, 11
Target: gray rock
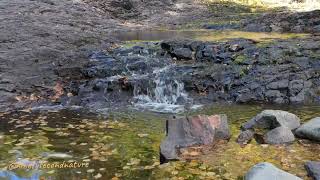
279, 135
196, 130
267, 171
295, 87
270, 119
182, 53
245, 136
313, 169
310, 130
282, 84
299, 98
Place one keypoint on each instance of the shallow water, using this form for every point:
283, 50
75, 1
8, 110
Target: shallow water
202, 35
126, 145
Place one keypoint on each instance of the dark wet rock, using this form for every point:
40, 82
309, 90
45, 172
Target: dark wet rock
267, 171
310, 130
313, 169
198, 130
279, 135
270, 119
245, 136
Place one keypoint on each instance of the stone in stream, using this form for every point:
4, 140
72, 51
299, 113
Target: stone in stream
267, 171
198, 130
279, 135
313, 169
270, 119
279, 123
310, 129
245, 136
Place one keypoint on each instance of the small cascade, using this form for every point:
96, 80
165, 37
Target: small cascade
164, 93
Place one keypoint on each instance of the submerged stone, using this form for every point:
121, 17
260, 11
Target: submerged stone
198, 130
267, 171
56, 155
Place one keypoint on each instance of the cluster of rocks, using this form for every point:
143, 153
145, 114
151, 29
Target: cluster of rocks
297, 22
282, 127
204, 131
279, 127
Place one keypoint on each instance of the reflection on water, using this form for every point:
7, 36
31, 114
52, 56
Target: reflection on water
126, 146
203, 35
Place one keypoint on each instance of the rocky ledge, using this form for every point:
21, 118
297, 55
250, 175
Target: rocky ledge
240, 71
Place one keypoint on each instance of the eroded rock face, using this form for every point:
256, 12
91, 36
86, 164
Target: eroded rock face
198, 130
313, 169
267, 171
310, 130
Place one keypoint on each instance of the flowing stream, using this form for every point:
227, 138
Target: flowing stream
166, 94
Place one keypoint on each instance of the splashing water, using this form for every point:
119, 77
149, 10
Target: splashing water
167, 94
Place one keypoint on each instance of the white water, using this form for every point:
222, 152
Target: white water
168, 95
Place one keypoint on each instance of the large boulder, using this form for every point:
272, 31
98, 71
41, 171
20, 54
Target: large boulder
267, 171
198, 130
313, 169
270, 119
310, 130
279, 135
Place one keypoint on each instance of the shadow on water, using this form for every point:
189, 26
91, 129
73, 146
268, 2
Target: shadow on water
126, 146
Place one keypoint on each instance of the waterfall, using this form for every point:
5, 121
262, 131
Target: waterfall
165, 93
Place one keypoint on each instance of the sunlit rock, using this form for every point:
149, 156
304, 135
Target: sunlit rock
198, 130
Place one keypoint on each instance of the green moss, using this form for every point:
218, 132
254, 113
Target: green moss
240, 59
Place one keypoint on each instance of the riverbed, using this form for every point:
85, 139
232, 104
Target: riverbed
126, 145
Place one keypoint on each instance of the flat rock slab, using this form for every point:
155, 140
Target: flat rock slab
310, 130
198, 130
267, 171
270, 119
279, 135
313, 168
